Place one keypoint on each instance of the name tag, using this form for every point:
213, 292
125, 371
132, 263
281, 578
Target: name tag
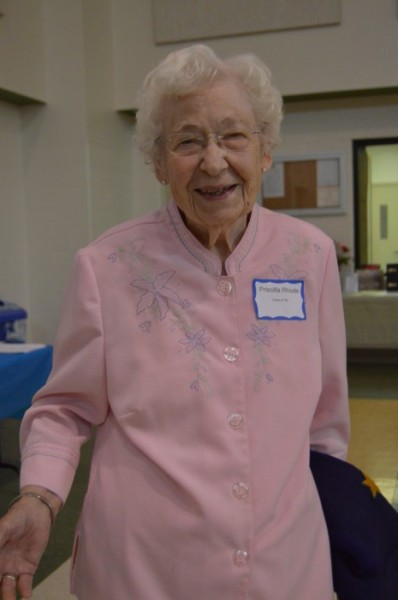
279, 299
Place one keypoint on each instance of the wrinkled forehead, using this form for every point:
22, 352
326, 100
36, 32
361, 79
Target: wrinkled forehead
221, 104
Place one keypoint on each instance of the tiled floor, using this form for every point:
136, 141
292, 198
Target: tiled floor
373, 448
374, 443
55, 587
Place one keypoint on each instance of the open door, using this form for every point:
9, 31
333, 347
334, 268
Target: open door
375, 222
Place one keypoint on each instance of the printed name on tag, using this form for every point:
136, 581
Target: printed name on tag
279, 299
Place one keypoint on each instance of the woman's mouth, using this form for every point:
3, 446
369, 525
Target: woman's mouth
216, 192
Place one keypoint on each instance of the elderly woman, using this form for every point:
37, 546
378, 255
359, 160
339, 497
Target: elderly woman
205, 343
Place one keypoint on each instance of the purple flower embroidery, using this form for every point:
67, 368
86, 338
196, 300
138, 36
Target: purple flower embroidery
146, 327
156, 292
195, 341
195, 385
260, 335
280, 273
269, 378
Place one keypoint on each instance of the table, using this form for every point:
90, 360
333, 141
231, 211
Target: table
22, 373
371, 319
24, 368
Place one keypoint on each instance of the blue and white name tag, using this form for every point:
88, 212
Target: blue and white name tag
281, 299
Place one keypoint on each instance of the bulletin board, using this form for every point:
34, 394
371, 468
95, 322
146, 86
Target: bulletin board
311, 185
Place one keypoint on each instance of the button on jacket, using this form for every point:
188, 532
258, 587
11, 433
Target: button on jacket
207, 391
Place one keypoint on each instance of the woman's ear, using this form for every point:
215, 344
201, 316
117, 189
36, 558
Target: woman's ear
160, 172
266, 162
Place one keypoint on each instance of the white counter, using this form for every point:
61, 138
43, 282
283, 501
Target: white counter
371, 319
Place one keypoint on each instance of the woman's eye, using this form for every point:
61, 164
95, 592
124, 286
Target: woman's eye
234, 135
187, 145
188, 141
235, 140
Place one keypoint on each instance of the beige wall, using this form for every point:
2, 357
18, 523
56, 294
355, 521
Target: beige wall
13, 242
331, 127
69, 168
52, 173
22, 64
361, 53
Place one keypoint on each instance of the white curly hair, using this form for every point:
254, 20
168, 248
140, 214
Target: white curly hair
184, 71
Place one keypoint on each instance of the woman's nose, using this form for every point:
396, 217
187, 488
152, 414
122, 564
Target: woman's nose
213, 159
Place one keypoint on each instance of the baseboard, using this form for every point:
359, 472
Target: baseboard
387, 356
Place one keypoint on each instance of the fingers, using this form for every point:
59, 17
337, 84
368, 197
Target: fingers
10, 583
25, 582
8, 586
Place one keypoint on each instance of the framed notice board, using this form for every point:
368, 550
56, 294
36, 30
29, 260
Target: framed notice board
305, 185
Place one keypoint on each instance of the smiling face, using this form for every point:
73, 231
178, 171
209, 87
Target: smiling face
216, 188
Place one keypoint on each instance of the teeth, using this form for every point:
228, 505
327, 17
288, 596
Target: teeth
215, 192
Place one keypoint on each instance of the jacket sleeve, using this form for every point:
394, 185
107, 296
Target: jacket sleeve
75, 397
330, 427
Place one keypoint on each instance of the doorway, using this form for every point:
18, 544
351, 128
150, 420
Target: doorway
376, 201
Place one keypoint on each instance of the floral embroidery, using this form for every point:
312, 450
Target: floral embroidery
199, 368
297, 256
146, 327
195, 341
134, 255
159, 302
299, 245
156, 293
201, 382
280, 273
261, 337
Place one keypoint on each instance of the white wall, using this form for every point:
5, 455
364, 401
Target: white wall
360, 53
55, 173
13, 255
47, 183
22, 64
109, 135
66, 166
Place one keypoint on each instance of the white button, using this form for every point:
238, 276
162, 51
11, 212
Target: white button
240, 490
235, 420
241, 557
224, 287
231, 353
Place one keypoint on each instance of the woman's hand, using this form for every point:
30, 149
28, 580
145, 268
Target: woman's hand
24, 533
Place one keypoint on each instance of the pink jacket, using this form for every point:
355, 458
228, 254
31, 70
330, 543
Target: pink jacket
207, 392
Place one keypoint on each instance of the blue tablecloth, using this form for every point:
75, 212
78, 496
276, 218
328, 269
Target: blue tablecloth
21, 375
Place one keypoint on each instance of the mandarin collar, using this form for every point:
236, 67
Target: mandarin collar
206, 259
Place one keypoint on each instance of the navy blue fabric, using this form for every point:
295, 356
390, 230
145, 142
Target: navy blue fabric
21, 375
363, 531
